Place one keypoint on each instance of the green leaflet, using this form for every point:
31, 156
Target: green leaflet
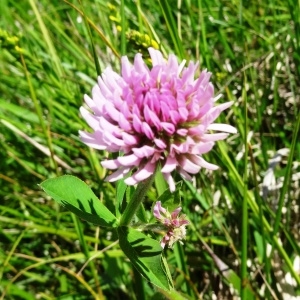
145, 254
77, 197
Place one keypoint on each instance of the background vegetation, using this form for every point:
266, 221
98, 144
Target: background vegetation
244, 238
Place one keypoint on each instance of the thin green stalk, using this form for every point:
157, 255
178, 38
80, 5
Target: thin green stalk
244, 231
123, 30
140, 18
136, 200
203, 33
179, 18
241, 12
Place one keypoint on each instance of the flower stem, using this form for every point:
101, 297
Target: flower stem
136, 200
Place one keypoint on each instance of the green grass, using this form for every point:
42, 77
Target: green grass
244, 237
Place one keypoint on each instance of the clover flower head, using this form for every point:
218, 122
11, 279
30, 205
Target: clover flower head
175, 224
160, 115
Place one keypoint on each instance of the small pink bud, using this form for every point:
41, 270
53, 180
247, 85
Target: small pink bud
174, 223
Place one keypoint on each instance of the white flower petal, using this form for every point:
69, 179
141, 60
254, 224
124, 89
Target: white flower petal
168, 177
222, 127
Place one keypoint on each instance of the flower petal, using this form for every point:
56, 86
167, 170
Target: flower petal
129, 139
147, 131
189, 166
202, 148
222, 127
203, 163
92, 120
157, 209
129, 160
141, 174
170, 165
144, 151
156, 57
168, 177
94, 140
111, 164
176, 212
119, 174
